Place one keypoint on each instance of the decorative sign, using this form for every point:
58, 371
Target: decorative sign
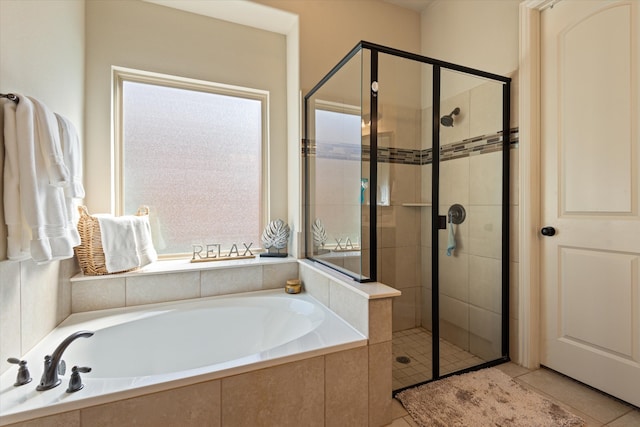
347, 246
213, 252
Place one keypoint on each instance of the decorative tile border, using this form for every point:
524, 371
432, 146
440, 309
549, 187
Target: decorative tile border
467, 147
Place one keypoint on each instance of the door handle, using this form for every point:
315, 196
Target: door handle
548, 231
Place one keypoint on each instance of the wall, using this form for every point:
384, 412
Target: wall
46, 62
330, 29
460, 32
150, 37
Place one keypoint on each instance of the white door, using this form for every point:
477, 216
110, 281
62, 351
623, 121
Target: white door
590, 76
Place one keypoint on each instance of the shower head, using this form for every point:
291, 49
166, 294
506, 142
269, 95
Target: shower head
448, 119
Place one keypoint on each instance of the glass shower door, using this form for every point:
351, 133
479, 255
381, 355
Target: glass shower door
470, 252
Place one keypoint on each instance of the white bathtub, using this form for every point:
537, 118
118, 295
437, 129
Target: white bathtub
151, 348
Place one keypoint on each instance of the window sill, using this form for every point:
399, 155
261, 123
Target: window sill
184, 265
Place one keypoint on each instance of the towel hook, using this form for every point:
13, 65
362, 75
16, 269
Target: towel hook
457, 214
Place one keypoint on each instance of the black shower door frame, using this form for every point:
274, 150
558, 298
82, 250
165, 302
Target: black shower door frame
436, 219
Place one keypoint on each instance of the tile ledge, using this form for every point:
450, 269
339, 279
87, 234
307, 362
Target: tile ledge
371, 290
184, 265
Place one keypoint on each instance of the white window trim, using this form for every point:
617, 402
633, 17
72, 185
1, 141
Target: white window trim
122, 74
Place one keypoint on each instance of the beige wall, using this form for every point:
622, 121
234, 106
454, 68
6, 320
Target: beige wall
44, 59
150, 37
329, 29
478, 34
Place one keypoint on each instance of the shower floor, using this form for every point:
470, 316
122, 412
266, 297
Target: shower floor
415, 344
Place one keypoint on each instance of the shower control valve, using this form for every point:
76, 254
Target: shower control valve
24, 377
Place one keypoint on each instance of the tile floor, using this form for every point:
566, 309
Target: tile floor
416, 345
597, 409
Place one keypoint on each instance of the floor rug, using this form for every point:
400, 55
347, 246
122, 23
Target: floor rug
487, 397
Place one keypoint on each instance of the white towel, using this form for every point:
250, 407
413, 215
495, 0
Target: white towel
72, 155
47, 136
126, 242
18, 234
31, 131
144, 245
118, 242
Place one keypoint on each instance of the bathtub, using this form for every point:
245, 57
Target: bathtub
151, 348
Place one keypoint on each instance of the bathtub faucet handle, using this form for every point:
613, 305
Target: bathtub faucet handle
75, 382
23, 372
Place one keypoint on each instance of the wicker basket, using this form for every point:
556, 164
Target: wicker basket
90, 254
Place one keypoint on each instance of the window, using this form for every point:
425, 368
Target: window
195, 153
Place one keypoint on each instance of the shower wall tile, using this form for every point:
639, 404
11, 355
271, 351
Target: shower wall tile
454, 311
485, 329
426, 131
404, 182
399, 267
40, 293
10, 324
425, 306
485, 231
404, 309
346, 388
485, 107
162, 288
454, 276
485, 349
405, 229
454, 334
485, 283
454, 182
425, 266
426, 176
460, 129
425, 226
98, 294
485, 179
230, 280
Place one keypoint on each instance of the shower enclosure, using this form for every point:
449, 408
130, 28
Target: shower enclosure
406, 183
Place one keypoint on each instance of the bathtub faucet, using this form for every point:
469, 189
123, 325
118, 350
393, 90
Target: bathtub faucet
54, 364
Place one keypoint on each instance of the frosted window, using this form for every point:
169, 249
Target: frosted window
196, 159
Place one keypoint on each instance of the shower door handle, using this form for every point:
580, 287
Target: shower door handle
548, 231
